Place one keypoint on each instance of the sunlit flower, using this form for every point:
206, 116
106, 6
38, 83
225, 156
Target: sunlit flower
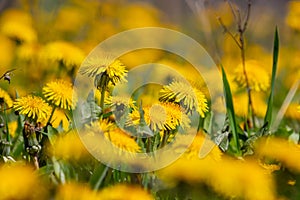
182, 93
20, 182
28, 51
113, 134
33, 107
64, 52
118, 191
193, 150
60, 118
17, 25
227, 177
60, 93
5, 98
292, 18
69, 147
19, 32
258, 77
162, 116
286, 152
240, 102
77, 191
122, 140
104, 65
293, 112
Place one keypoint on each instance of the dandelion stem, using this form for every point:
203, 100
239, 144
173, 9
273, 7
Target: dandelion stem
7, 132
51, 115
102, 99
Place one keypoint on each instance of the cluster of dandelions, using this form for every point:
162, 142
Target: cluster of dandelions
176, 102
58, 94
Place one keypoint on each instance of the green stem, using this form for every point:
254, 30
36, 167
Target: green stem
102, 99
101, 178
7, 132
51, 115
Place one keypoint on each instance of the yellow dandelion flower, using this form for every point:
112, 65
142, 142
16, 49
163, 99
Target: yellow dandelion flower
70, 191
258, 77
5, 98
20, 182
286, 152
120, 101
68, 146
115, 135
162, 116
19, 32
226, 176
240, 102
62, 51
104, 64
194, 149
293, 111
59, 117
118, 191
183, 93
122, 140
292, 18
17, 25
28, 51
32, 107
60, 93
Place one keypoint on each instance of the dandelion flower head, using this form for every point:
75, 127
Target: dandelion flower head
19, 183
68, 146
5, 98
112, 133
17, 25
32, 107
62, 51
104, 64
162, 116
258, 77
182, 93
61, 94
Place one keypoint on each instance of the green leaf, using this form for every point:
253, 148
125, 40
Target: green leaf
231, 113
52, 133
98, 176
268, 116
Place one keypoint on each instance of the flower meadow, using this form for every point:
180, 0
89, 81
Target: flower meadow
70, 129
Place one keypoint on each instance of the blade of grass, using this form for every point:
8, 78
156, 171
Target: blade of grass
230, 112
268, 116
